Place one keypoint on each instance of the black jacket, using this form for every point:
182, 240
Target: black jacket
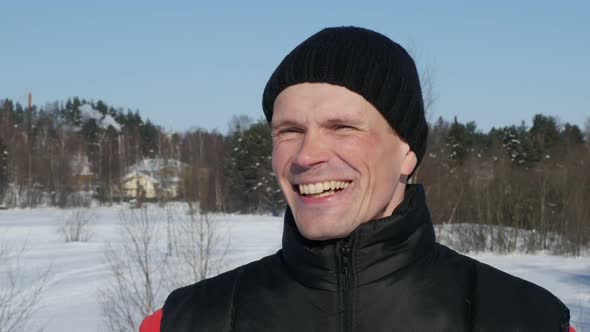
388, 275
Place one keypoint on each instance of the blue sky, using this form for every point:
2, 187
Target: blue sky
187, 64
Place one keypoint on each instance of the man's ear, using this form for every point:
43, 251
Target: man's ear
408, 163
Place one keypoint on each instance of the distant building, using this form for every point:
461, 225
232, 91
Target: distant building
152, 178
81, 177
138, 185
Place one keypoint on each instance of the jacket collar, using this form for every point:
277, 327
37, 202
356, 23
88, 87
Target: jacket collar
377, 248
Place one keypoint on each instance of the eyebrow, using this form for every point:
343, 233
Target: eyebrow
326, 123
342, 121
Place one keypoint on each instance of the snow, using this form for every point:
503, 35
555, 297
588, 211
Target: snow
80, 165
175, 179
103, 121
138, 174
566, 277
154, 165
78, 270
478, 238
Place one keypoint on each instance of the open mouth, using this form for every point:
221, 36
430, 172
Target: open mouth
321, 189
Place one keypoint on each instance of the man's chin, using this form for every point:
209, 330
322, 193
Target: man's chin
317, 229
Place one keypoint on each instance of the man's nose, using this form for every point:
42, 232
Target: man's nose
312, 151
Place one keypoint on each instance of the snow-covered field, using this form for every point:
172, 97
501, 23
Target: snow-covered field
78, 270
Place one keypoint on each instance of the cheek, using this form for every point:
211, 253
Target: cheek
275, 162
280, 157
378, 162
365, 154
388, 167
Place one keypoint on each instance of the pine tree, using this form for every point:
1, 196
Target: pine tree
463, 139
572, 134
516, 144
267, 192
251, 184
544, 136
149, 139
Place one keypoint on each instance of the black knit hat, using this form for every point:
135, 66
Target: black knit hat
365, 62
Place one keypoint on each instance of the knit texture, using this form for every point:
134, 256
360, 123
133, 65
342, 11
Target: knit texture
365, 62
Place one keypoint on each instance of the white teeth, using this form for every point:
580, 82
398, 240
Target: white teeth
322, 188
318, 188
325, 193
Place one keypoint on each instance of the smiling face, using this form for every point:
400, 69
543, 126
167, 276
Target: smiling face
337, 160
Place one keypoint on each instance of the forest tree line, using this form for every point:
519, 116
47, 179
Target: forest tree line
526, 177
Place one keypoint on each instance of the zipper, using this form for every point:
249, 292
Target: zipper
346, 269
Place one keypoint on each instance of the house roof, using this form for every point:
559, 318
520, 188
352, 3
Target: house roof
133, 174
152, 165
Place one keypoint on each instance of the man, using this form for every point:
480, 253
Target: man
359, 251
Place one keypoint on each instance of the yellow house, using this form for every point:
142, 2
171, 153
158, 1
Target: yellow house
139, 185
152, 178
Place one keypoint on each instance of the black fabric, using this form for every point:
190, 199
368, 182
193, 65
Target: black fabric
388, 275
365, 62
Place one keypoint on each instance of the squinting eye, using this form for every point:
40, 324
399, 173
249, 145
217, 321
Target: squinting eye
345, 128
288, 131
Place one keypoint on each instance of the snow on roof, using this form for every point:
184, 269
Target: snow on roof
133, 174
151, 165
174, 179
103, 121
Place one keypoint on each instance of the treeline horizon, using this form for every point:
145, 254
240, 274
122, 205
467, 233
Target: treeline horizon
525, 177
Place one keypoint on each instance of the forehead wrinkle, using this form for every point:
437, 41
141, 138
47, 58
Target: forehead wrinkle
291, 114
289, 117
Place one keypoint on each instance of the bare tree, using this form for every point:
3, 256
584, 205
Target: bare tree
426, 70
19, 296
147, 264
76, 226
138, 266
200, 246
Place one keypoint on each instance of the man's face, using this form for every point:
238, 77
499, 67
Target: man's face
337, 160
